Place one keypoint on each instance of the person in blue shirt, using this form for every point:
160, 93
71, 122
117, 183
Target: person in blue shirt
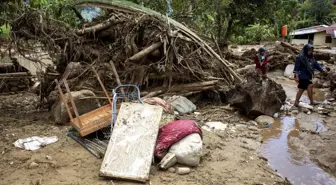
305, 66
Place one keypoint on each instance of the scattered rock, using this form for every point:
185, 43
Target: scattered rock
289, 71
262, 120
182, 105
217, 127
11, 163
33, 165
183, 170
59, 111
49, 157
295, 111
172, 170
253, 123
332, 114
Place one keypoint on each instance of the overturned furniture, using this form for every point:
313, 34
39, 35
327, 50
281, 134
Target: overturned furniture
130, 151
89, 122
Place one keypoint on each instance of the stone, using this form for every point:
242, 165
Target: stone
256, 96
295, 111
263, 120
183, 170
60, 113
49, 157
215, 127
172, 170
289, 71
332, 114
182, 105
253, 123
33, 165
326, 85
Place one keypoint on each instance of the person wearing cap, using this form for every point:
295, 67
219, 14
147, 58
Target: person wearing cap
305, 66
261, 61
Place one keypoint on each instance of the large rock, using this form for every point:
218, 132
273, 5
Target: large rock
257, 96
262, 120
289, 71
60, 113
182, 105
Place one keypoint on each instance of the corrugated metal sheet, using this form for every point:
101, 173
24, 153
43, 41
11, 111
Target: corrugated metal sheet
309, 30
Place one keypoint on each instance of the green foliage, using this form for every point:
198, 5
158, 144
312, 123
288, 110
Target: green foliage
254, 34
4, 31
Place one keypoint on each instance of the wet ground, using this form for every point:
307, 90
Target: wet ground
282, 141
287, 159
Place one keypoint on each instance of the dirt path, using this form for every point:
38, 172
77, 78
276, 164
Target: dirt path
232, 158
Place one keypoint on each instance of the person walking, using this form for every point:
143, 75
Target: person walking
305, 66
261, 61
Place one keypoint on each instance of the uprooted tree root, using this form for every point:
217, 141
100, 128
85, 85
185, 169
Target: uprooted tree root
144, 49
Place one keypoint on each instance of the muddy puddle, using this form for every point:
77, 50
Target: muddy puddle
287, 159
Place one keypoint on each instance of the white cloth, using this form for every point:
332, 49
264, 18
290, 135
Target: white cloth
34, 143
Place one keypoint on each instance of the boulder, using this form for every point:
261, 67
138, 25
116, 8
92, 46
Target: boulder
256, 96
262, 120
289, 71
60, 113
182, 105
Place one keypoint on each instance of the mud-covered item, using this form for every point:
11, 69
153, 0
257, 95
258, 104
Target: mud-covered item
257, 96
130, 151
188, 151
172, 133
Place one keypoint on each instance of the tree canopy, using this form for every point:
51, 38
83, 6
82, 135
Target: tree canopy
238, 21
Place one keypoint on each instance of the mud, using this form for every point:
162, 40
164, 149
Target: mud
301, 148
232, 158
289, 157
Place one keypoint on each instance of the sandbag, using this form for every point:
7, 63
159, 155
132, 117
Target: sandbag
172, 133
188, 151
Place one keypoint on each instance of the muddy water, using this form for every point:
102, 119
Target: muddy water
283, 158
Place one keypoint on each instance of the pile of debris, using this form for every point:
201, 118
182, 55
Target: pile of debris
280, 55
156, 53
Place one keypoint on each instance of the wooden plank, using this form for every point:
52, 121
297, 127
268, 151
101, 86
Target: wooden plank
130, 151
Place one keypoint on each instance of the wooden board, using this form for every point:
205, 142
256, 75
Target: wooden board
130, 151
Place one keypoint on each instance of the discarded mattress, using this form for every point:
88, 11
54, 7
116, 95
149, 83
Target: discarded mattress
172, 133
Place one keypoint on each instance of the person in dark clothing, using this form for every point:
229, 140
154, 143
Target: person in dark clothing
305, 66
261, 61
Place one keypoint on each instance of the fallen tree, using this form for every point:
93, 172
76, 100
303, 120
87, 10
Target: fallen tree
146, 48
257, 96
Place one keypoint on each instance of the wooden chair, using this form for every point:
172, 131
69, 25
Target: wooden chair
89, 122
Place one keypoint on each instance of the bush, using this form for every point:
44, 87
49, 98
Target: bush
254, 34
